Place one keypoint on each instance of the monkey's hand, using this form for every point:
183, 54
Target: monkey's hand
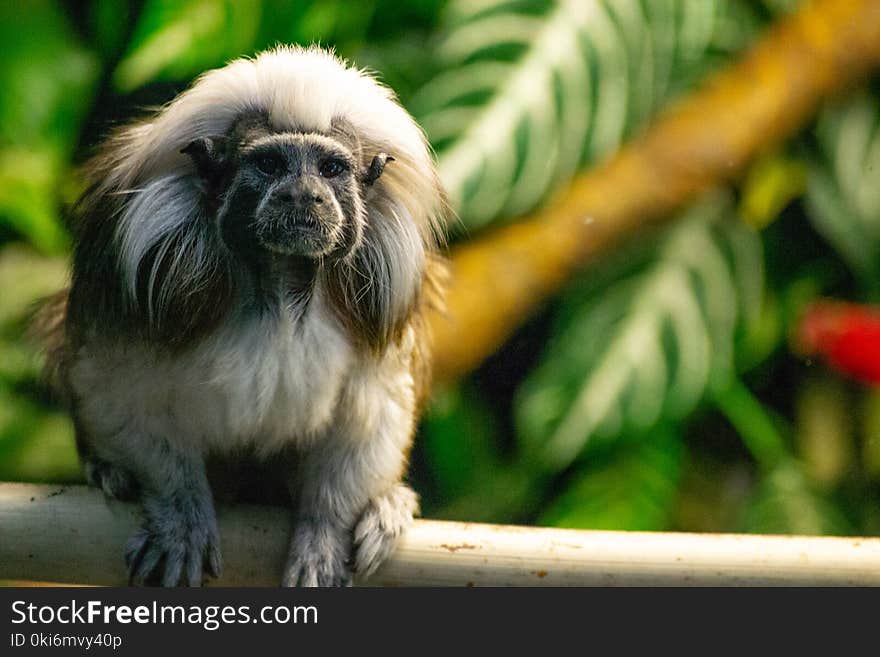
177, 542
381, 526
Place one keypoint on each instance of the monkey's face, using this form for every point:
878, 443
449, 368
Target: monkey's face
295, 194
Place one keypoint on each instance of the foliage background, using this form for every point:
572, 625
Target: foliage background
660, 390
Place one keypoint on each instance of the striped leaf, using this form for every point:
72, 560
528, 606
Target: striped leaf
648, 346
175, 39
843, 194
531, 91
47, 75
631, 489
784, 503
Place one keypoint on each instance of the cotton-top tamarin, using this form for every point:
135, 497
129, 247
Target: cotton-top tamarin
251, 270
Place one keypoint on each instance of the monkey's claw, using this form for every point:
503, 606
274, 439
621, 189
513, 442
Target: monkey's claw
381, 526
173, 550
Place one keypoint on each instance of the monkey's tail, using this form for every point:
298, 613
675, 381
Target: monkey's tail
47, 330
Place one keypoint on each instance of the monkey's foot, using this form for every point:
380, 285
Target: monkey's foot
381, 526
177, 544
117, 483
318, 556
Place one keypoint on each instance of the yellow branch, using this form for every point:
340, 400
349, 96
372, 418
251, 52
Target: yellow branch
708, 138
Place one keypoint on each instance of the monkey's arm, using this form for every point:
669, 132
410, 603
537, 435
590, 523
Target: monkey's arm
178, 540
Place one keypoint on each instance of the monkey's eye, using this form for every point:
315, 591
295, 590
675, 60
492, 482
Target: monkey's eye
332, 168
268, 165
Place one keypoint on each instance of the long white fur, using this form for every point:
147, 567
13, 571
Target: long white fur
262, 384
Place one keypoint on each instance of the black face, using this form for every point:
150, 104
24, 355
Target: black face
293, 194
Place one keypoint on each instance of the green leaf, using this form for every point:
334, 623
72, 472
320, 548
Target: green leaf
531, 91
645, 349
760, 431
35, 445
843, 192
784, 503
632, 488
36, 441
771, 184
107, 23
25, 277
459, 436
46, 74
177, 39
782, 6
29, 178
47, 78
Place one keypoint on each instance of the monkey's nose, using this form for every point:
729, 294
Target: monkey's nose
307, 198
302, 198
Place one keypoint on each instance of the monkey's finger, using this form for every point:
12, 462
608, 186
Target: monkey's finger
368, 555
307, 579
373, 550
299, 574
291, 575
146, 565
135, 549
194, 568
173, 567
213, 560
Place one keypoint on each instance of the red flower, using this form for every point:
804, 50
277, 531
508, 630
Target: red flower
846, 335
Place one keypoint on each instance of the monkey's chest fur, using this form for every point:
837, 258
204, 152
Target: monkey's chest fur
259, 383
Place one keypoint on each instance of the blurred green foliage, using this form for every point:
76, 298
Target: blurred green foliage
658, 391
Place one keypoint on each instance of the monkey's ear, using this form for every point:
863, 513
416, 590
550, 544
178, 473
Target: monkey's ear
209, 156
377, 166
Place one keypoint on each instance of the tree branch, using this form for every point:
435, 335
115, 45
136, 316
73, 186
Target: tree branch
72, 535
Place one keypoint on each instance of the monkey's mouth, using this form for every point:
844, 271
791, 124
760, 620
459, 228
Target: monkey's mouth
299, 235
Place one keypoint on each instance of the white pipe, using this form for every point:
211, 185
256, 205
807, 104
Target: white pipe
71, 534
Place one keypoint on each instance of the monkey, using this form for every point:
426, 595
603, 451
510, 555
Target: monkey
251, 273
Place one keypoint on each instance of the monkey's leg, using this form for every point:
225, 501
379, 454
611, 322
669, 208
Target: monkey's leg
116, 482
349, 490
178, 539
